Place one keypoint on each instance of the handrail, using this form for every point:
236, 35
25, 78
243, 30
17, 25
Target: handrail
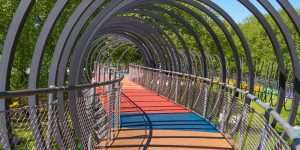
30, 92
174, 72
292, 131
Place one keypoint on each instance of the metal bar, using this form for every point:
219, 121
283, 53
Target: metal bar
19, 93
292, 132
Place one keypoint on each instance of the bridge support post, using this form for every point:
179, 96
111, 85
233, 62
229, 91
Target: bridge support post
53, 126
176, 89
264, 132
5, 130
50, 121
226, 107
243, 125
158, 81
138, 75
111, 110
205, 98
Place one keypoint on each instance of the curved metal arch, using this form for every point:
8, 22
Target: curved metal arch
276, 48
173, 52
109, 59
73, 37
101, 57
183, 58
210, 31
147, 34
122, 55
86, 13
9, 48
241, 36
64, 54
40, 46
196, 58
88, 35
291, 12
83, 42
149, 59
97, 48
134, 5
293, 55
226, 33
98, 43
115, 3
37, 59
145, 5
166, 44
151, 41
210, 65
174, 30
215, 59
115, 46
120, 32
90, 60
11, 41
162, 46
170, 48
127, 36
142, 46
66, 34
141, 36
82, 12
194, 34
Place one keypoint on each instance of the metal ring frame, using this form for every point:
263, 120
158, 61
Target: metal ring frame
85, 32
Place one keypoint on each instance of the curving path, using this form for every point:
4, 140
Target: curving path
149, 121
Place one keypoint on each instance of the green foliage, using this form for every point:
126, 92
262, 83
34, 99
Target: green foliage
261, 47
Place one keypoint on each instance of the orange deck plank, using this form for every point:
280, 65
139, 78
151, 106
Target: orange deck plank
167, 139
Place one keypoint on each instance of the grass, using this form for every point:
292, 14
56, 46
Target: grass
284, 113
25, 138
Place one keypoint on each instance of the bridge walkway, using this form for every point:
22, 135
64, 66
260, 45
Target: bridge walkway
153, 122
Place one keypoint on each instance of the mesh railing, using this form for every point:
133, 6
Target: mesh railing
23, 126
37, 127
51, 123
99, 116
223, 105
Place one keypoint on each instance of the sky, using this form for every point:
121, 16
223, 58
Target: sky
239, 13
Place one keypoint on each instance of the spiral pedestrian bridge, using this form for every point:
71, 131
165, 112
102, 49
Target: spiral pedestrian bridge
147, 74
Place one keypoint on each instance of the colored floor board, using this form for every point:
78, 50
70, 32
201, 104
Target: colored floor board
176, 121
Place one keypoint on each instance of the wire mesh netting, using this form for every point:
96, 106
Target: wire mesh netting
223, 106
50, 126
35, 127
